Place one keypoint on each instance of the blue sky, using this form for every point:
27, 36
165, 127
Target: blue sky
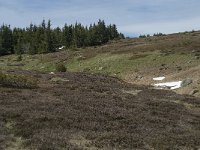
132, 17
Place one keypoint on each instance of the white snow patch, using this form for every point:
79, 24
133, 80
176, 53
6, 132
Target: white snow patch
158, 78
60, 48
170, 85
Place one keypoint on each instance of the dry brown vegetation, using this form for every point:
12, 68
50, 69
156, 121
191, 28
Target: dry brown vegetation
96, 112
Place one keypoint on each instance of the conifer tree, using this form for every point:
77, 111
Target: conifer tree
1, 48
49, 41
7, 40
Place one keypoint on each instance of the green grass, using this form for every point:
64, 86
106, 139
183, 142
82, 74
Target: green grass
29, 62
17, 81
105, 63
17, 144
121, 64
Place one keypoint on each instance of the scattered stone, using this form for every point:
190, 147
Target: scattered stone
81, 58
197, 57
161, 69
139, 77
193, 92
179, 68
59, 79
196, 54
193, 51
133, 92
51, 73
100, 68
198, 81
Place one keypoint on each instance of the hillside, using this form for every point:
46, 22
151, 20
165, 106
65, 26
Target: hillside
136, 60
105, 100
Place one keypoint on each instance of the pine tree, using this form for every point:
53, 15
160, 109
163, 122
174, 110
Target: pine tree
41, 38
7, 40
67, 35
18, 47
1, 48
49, 41
102, 36
58, 36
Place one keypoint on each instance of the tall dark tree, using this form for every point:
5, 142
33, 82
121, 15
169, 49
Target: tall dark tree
57, 33
7, 40
50, 47
67, 35
1, 48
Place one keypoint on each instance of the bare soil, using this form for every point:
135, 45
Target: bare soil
85, 111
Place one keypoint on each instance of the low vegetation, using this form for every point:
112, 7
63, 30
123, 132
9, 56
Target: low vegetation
84, 111
60, 67
17, 81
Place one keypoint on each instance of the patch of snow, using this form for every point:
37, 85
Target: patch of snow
60, 48
158, 78
170, 85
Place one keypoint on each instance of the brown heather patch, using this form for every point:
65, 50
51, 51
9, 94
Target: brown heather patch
94, 112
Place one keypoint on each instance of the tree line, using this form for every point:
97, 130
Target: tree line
43, 38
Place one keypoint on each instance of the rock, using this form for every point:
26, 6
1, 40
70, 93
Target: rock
100, 68
197, 57
81, 58
139, 77
133, 92
179, 68
186, 82
193, 51
193, 92
196, 54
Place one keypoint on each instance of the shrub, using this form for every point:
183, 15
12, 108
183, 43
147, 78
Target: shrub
61, 67
17, 81
19, 58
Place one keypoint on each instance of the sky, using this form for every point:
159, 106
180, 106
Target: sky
132, 17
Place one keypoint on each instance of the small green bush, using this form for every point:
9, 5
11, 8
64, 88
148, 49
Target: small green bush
61, 68
17, 81
19, 58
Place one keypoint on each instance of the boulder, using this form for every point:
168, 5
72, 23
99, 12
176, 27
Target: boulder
186, 82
